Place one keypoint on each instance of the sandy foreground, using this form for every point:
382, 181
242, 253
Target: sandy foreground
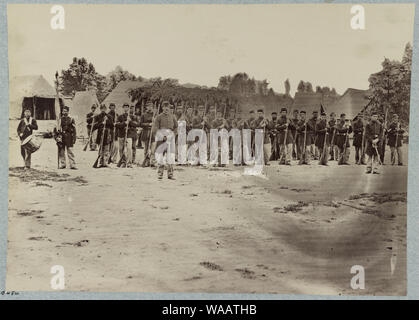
296, 229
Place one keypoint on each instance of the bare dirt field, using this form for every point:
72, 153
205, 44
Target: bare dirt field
297, 229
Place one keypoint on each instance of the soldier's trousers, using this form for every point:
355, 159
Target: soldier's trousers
113, 150
61, 157
359, 157
372, 162
343, 157
382, 152
125, 152
92, 143
314, 151
304, 155
161, 167
285, 153
397, 150
334, 152
134, 148
295, 151
26, 155
103, 155
148, 148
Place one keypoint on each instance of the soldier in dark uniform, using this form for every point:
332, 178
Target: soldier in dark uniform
65, 136
322, 133
313, 149
125, 137
163, 121
103, 125
373, 136
303, 130
134, 133
24, 130
219, 123
358, 127
113, 148
383, 139
343, 130
332, 130
275, 148
284, 138
395, 140
146, 123
89, 120
295, 147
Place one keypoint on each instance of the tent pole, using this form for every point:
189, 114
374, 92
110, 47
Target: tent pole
34, 107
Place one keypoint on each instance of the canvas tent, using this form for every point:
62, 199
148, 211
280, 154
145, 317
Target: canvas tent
80, 107
311, 101
33, 92
119, 94
352, 103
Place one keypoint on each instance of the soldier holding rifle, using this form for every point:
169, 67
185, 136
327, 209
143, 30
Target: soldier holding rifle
103, 125
343, 130
113, 148
126, 127
395, 140
293, 128
273, 134
262, 123
321, 140
359, 139
304, 138
146, 122
333, 147
89, 121
65, 136
284, 138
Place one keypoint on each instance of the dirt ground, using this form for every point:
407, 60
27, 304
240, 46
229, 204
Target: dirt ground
296, 229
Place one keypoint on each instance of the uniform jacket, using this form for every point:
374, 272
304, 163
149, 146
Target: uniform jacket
302, 127
89, 119
164, 121
394, 131
358, 133
342, 134
146, 122
103, 120
113, 117
68, 131
121, 126
332, 131
258, 124
321, 130
26, 127
284, 127
373, 130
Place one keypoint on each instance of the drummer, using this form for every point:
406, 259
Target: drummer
24, 130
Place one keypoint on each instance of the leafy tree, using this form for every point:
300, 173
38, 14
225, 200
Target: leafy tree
117, 75
390, 87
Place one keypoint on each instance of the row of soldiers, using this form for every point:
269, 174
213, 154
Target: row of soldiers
285, 138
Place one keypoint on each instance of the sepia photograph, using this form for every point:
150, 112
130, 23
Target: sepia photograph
209, 148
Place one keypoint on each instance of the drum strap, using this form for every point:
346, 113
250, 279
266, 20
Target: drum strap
28, 122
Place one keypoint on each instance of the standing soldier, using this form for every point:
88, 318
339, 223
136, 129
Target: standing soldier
343, 130
321, 139
359, 140
373, 135
273, 135
103, 125
313, 149
113, 148
24, 130
383, 139
261, 123
65, 136
89, 120
332, 128
165, 120
395, 140
284, 138
219, 123
295, 147
126, 127
134, 133
146, 123
304, 138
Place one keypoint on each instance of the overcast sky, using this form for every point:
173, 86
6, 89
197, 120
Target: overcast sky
200, 43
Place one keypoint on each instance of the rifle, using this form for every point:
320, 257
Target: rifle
362, 144
101, 143
383, 140
123, 157
323, 157
344, 147
113, 137
90, 135
148, 156
58, 136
